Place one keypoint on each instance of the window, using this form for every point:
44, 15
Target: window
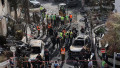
2, 1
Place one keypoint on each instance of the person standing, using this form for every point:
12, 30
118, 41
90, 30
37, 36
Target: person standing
57, 20
70, 18
11, 63
66, 19
49, 26
58, 41
44, 28
55, 33
46, 18
54, 19
103, 63
63, 54
53, 39
70, 37
56, 64
38, 28
40, 59
46, 53
67, 38
62, 20
25, 62
51, 17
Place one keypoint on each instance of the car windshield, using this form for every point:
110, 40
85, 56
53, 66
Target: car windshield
78, 43
36, 50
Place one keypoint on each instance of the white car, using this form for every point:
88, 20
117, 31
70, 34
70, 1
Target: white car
79, 43
37, 47
34, 4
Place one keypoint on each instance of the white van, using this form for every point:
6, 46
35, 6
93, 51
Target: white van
37, 47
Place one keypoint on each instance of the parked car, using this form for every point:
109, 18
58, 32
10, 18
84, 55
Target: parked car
76, 49
37, 47
34, 3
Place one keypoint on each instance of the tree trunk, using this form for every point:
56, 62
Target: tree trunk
15, 9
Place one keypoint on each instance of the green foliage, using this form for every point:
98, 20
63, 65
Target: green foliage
100, 30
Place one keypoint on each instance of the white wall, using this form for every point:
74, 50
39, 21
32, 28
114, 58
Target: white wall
4, 10
117, 5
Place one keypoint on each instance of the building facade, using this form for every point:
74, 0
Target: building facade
4, 10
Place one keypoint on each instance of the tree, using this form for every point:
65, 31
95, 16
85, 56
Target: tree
15, 4
113, 34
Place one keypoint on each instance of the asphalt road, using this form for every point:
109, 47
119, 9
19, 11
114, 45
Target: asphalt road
52, 8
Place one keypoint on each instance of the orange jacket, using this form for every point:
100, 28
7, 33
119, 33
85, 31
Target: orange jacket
64, 31
38, 27
49, 25
62, 51
70, 16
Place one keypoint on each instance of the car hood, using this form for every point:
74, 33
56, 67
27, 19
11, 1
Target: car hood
35, 2
76, 48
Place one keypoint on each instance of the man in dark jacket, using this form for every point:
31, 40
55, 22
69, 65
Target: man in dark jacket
53, 39
46, 53
58, 41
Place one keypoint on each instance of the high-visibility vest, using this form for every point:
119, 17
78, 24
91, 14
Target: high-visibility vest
38, 27
62, 18
41, 8
46, 16
71, 34
54, 17
70, 16
62, 51
66, 17
49, 26
61, 35
67, 35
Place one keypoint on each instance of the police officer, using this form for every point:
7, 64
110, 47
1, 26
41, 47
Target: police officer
67, 38
70, 36
54, 19
66, 19
62, 20
51, 18
44, 28
46, 17
61, 38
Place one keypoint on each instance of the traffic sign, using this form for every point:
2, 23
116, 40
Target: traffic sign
103, 50
13, 48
